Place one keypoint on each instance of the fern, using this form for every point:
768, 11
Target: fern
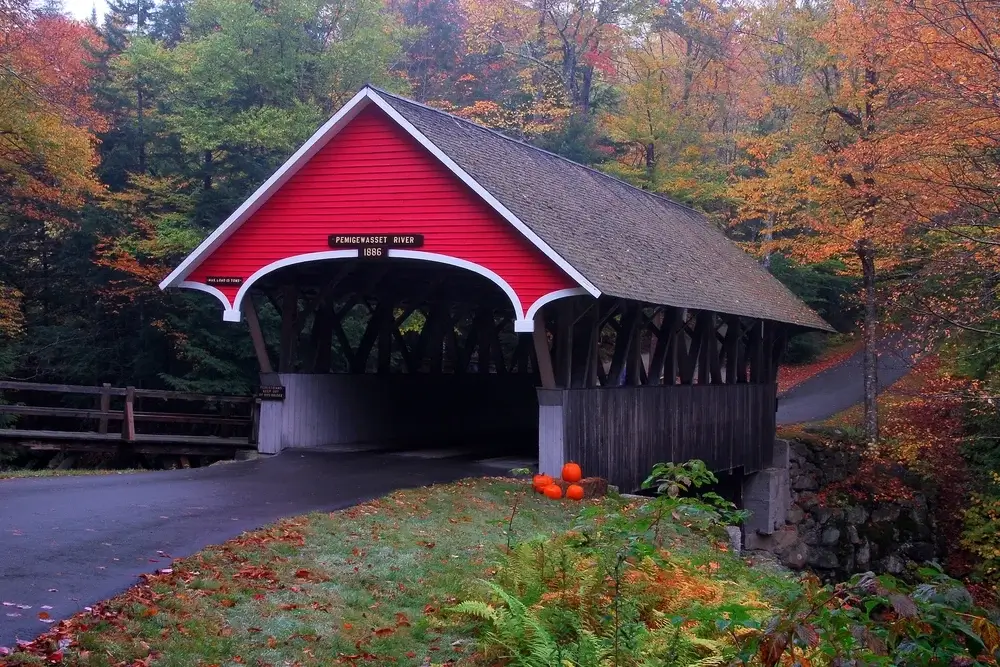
477, 609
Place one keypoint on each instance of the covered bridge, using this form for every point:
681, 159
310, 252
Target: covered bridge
440, 283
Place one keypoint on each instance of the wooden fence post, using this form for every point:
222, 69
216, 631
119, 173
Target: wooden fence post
104, 405
128, 421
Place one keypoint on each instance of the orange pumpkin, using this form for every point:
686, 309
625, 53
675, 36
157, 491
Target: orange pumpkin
540, 482
574, 492
553, 491
571, 472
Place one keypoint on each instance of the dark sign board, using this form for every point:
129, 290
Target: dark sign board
373, 246
271, 393
223, 280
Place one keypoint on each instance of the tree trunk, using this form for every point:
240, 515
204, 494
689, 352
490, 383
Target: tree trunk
866, 253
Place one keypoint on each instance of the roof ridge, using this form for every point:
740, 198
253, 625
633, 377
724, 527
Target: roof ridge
526, 144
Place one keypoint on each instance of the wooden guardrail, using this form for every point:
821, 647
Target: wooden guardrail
233, 415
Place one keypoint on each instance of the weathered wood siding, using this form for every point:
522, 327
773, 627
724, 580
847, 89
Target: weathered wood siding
621, 432
402, 410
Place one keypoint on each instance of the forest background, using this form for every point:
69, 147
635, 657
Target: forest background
853, 145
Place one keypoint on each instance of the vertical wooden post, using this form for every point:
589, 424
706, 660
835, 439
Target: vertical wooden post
633, 360
543, 356
755, 352
715, 349
732, 347
705, 332
257, 335
289, 336
673, 347
104, 405
128, 421
780, 343
564, 343
584, 345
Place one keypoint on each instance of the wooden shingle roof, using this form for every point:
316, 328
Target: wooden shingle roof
627, 242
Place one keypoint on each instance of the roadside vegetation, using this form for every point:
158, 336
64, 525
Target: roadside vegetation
487, 573
20, 474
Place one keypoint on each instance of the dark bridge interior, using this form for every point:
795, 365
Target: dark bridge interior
402, 353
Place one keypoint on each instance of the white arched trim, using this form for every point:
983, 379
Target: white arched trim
214, 291
235, 313
515, 300
553, 296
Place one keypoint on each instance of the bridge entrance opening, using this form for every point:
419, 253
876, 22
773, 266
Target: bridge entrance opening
394, 353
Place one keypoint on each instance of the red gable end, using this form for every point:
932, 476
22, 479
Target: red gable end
371, 178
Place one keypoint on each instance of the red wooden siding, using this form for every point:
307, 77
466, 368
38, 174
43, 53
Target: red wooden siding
374, 177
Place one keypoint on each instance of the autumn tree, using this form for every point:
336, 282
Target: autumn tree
830, 179
47, 150
677, 113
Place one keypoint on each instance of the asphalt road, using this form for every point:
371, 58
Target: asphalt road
69, 542
838, 388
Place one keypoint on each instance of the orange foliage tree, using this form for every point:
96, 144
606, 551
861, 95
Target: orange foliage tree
836, 178
47, 144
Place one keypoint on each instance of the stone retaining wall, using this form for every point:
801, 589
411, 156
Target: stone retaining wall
836, 534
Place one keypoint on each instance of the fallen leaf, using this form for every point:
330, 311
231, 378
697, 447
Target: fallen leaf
43, 615
348, 626
383, 632
228, 603
254, 631
302, 574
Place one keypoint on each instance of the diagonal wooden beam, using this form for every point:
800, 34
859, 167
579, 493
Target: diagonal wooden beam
360, 361
664, 337
623, 342
257, 335
543, 356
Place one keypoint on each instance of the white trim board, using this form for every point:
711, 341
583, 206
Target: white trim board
319, 139
553, 296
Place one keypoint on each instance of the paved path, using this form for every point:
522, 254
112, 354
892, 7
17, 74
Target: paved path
838, 388
68, 542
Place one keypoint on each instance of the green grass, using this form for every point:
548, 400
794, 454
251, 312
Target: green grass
19, 474
369, 585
